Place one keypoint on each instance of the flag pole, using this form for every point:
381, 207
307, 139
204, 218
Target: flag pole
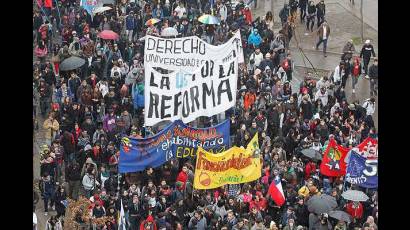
59, 15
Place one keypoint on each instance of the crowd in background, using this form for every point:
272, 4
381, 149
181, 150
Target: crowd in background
84, 113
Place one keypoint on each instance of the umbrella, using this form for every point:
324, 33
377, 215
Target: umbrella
101, 9
355, 195
108, 35
152, 21
340, 215
72, 63
169, 31
312, 154
321, 203
209, 19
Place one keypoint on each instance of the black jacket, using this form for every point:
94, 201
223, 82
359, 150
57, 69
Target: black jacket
74, 174
307, 110
367, 52
302, 215
374, 72
311, 9
321, 9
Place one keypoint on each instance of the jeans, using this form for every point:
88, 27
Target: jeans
302, 14
320, 20
344, 80
309, 20
129, 34
44, 106
46, 202
324, 44
354, 81
366, 65
373, 87
73, 189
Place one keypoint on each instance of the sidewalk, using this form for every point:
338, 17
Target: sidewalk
344, 25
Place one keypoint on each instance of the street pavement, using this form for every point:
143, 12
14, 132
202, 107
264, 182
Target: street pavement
345, 24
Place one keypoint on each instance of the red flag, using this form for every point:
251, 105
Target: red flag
368, 148
333, 162
276, 192
48, 3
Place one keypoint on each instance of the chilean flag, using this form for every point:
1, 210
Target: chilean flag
276, 191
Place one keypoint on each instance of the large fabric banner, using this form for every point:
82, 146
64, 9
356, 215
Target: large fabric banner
89, 5
362, 171
189, 53
333, 162
234, 166
214, 139
175, 140
208, 91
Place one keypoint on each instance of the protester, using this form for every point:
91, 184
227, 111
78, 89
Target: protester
87, 111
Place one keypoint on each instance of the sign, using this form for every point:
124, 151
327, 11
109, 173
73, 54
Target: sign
89, 5
333, 162
189, 53
175, 140
214, 139
362, 171
208, 91
234, 166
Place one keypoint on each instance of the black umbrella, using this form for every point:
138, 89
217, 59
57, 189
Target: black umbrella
312, 154
341, 215
321, 203
72, 63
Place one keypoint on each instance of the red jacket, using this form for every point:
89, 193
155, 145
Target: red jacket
310, 167
182, 177
249, 100
356, 213
248, 15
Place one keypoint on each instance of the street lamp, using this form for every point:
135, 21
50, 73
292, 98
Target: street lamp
361, 18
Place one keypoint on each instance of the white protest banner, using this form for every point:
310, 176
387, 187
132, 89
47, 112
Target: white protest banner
188, 53
207, 91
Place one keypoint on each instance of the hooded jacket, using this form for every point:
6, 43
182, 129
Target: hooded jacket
254, 38
143, 225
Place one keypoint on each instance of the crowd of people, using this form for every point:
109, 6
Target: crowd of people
83, 114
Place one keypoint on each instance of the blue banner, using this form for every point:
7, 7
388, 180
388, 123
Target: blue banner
362, 171
175, 140
214, 139
89, 5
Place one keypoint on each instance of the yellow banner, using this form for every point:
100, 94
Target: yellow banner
234, 166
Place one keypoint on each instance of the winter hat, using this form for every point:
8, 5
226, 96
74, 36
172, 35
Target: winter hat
179, 183
87, 147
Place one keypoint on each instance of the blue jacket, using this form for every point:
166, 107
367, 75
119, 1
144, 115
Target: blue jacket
254, 39
47, 189
130, 22
59, 94
154, 13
